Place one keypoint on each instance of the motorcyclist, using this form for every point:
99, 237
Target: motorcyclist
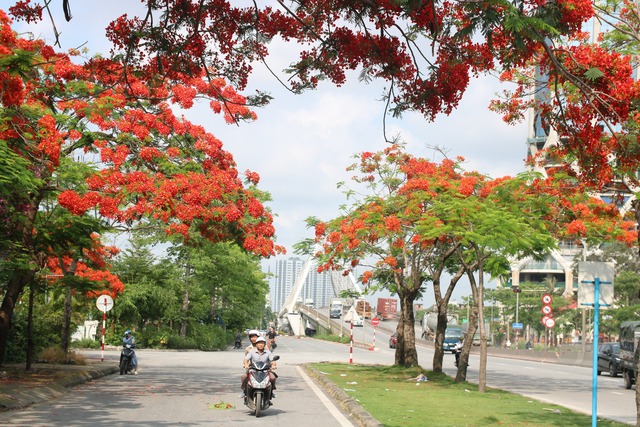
458, 349
131, 340
253, 335
238, 342
260, 354
272, 338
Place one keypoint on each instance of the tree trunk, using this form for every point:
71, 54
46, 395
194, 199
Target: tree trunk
66, 320
185, 303
16, 284
441, 327
406, 354
482, 378
461, 374
30, 343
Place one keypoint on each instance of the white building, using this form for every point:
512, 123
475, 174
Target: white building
317, 289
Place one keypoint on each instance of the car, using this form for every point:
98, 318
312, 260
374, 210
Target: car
608, 358
393, 340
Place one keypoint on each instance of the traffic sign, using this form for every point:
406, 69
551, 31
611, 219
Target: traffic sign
546, 299
546, 309
375, 321
104, 303
517, 326
550, 322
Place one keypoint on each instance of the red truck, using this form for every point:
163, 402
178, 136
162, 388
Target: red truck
387, 308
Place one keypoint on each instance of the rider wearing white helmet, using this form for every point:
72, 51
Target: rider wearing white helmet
253, 336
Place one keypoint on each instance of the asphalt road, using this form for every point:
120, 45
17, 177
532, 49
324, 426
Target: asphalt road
181, 388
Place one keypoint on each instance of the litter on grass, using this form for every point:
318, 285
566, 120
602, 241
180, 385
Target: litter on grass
420, 377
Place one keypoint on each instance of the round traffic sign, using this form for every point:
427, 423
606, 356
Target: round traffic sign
546, 299
550, 322
544, 319
104, 303
546, 309
375, 321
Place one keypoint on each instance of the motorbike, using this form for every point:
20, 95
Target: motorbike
238, 343
126, 359
258, 391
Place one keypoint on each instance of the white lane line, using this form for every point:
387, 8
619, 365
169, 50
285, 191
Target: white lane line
344, 422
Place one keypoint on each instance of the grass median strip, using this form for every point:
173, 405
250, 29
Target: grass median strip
397, 396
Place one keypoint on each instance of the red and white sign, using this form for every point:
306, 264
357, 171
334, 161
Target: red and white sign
546, 309
550, 322
546, 299
375, 321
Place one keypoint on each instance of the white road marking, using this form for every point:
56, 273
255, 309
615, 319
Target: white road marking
344, 422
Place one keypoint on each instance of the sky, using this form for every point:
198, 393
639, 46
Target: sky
301, 144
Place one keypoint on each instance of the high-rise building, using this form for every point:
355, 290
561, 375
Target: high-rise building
317, 290
557, 267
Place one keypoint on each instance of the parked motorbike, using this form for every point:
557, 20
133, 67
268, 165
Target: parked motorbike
259, 389
126, 359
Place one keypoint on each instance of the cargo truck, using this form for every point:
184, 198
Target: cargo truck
335, 309
629, 336
387, 308
363, 306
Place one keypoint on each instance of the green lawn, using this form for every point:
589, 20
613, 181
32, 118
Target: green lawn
393, 396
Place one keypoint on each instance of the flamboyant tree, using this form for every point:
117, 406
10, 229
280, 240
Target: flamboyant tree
143, 165
416, 219
520, 217
410, 224
426, 51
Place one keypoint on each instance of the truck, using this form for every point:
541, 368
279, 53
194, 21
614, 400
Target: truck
629, 335
451, 337
335, 309
387, 308
430, 322
363, 306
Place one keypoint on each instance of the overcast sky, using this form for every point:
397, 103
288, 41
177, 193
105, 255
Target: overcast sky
301, 144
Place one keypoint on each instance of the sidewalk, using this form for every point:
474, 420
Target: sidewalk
20, 388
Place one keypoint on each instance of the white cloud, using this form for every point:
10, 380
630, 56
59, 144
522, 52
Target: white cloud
302, 144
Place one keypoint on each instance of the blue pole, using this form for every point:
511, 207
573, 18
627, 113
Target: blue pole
596, 318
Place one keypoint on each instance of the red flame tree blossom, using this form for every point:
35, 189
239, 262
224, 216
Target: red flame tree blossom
418, 215
142, 164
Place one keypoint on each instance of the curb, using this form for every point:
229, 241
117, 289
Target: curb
30, 395
346, 402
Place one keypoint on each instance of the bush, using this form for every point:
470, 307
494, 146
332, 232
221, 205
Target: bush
57, 356
86, 343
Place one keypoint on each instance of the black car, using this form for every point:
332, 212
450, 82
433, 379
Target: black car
393, 340
608, 359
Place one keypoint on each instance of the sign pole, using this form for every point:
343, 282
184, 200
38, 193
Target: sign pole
374, 321
104, 322
104, 304
351, 344
596, 332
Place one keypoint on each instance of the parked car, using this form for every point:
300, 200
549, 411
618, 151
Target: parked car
609, 359
393, 340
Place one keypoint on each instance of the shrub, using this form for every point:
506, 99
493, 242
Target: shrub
86, 343
57, 356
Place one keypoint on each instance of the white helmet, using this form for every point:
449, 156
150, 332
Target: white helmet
253, 332
261, 339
